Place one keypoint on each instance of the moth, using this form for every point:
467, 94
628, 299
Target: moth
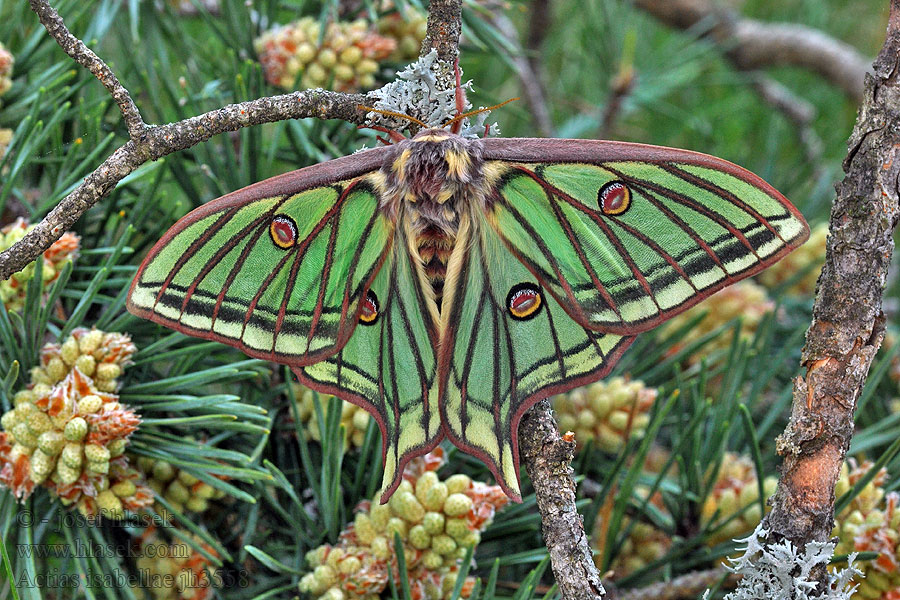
446, 284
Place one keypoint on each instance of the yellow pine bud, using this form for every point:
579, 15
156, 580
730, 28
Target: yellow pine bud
419, 537
163, 471
96, 453
38, 422
380, 548
349, 564
71, 455
87, 364
177, 492
23, 435
9, 420
39, 375
432, 560
396, 525
42, 464
76, 429
367, 66
124, 489
196, 504
20, 450
433, 522
67, 474
23, 397
69, 351
380, 514
327, 58
458, 483
117, 447
110, 505
108, 371
365, 529
90, 404
186, 478
408, 507
90, 341
443, 544
457, 528
51, 442
106, 385
56, 369
436, 496
98, 467
204, 490
457, 505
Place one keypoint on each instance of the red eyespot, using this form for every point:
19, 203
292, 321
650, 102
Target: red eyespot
283, 231
369, 313
614, 198
524, 301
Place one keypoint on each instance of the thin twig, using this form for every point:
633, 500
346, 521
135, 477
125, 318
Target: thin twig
443, 30
532, 85
684, 587
848, 325
157, 142
752, 44
85, 57
799, 112
547, 457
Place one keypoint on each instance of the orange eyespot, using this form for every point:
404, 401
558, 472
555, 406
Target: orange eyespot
369, 313
524, 301
283, 231
614, 198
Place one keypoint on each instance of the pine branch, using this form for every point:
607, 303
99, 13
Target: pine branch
752, 44
848, 325
547, 457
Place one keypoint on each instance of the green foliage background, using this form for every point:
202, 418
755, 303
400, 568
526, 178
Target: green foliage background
290, 496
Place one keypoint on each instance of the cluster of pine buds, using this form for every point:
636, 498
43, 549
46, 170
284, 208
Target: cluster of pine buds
744, 299
13, 290
173, 571
809, 257
609, 412
345, 60
733, 508
68, 431
870, 523
6, 67
437, 520
645, 542
354, 419
180, 489
407, 28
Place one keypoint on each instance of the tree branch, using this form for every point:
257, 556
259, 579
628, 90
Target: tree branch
752, 44
443, 30
529, 75
156, 142
547, 458
85, 57
848, 325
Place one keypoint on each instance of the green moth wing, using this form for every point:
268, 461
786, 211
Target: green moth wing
389, 366
625, 236
277, 269
506, 344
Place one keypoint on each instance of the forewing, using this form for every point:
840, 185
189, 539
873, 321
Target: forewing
494, 365
388, 367
276, 269
691, 225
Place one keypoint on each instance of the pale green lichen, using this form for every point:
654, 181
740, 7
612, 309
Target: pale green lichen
781, 571
425, 91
